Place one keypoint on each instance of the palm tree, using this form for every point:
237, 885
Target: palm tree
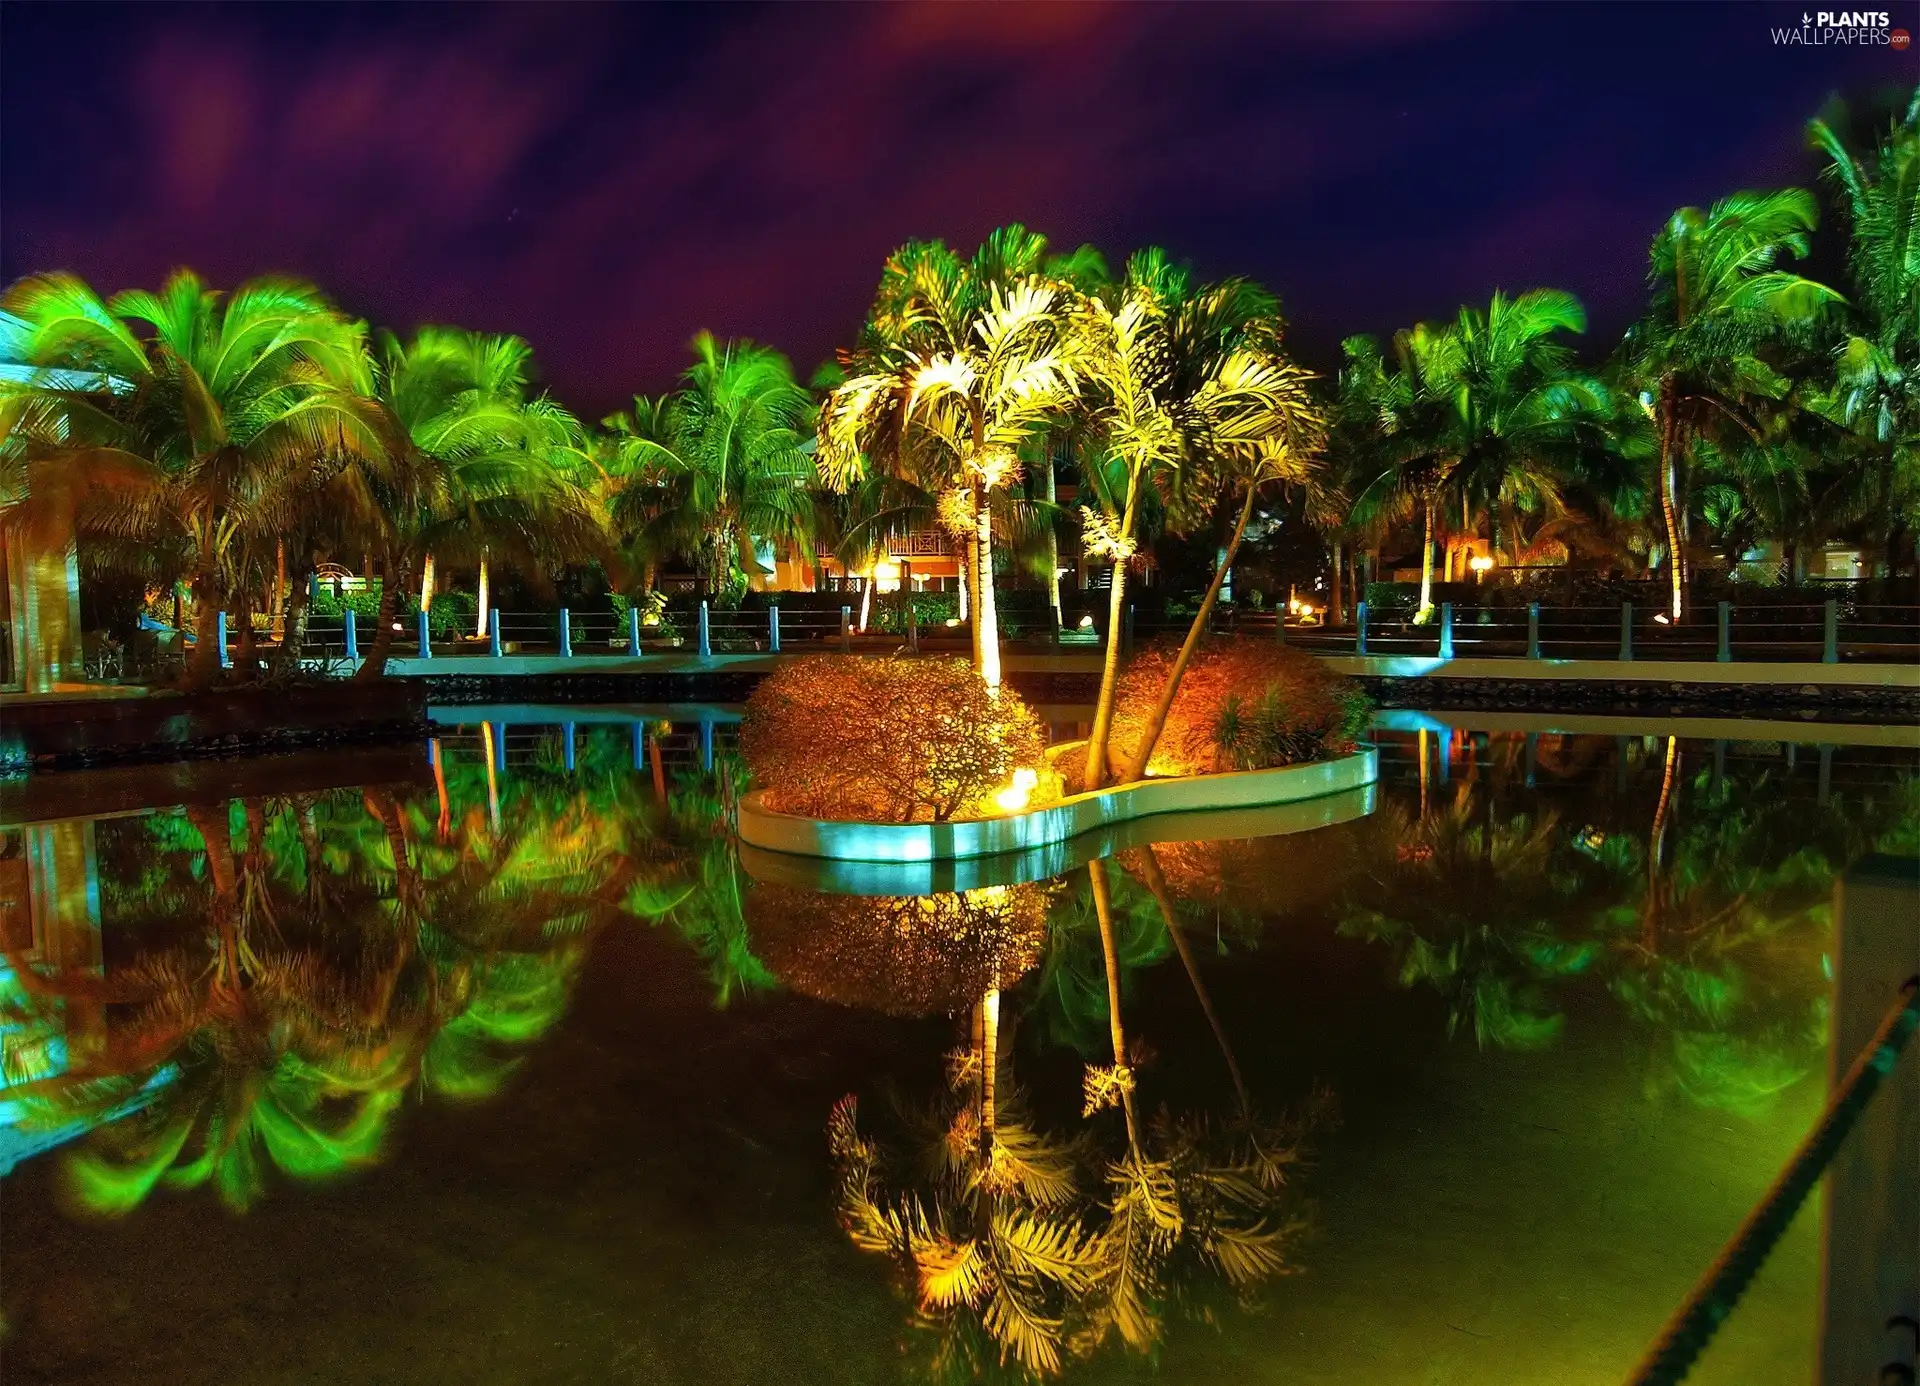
1719, 309
1186, 392
719, 465
184, 425
960, 367
472, 469
1876, 386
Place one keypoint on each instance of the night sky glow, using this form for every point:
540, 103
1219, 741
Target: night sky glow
605, 180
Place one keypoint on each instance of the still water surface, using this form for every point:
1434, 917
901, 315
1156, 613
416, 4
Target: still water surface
513, 1073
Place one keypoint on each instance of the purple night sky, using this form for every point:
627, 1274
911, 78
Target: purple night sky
605, 180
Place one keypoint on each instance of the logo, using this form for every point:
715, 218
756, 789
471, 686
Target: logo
1824, 28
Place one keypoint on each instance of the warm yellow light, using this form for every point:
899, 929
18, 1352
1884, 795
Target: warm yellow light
885, 575
1086, 622
1661, 617
1014, 798
953, 620
1480, 563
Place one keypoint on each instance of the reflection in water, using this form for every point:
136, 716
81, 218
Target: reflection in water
246, 993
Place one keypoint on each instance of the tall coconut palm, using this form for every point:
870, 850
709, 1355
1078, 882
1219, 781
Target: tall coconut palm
721, 464
1719, 310
187, 425
1875, 392
472, 469
961, 366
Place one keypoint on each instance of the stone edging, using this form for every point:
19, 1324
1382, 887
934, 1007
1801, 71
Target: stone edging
1041, 827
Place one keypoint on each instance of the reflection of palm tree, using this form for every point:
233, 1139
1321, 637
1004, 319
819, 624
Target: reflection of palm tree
1148, 861
1473, 905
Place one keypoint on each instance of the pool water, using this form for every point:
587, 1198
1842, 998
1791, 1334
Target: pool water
511, 1072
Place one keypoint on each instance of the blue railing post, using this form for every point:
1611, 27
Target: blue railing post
1533, 633
426, 637
706, 743
566, 633
493, 632
351, 626
1446, 630
1445, 749
1532, 757
1360, 627
633, 635
220, 634
773, 629
639, 745
566, 746
1723, 652
706, 634
1626, 630
846, 630
1830, 645
500, 745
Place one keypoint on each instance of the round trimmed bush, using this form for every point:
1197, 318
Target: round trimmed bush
893, 740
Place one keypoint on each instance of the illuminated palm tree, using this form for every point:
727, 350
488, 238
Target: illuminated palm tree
720, 465
184, 428
962, 365
473, 470
1186, 392
1875, 392
1720, 309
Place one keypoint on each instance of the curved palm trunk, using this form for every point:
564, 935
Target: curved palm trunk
1669, 510
1136, 767
1095, 773
1157, 883
1110, 948
310, 849
1656, 850
217, 839
375, 664
444, 825
986, 620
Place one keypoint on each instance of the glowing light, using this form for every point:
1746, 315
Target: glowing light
1480, 563
398, 626
1014, 798
1086, 622
953, 621
1661, 617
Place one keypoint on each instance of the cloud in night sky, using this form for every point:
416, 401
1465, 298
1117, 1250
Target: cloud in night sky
606, 180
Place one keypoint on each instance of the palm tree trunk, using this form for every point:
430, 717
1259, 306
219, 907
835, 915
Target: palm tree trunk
1157, 883
966, 566
1110, 948
293, 633
480, 630
1050, 493
1656, 845
246, 664
1426, 566
1157, 723
426, 584
985, 619
1337, 591
375, 664
989, 1026
1095, 773
1676, 545
204, 667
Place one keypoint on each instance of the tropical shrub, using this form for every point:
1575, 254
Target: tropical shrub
890, 740
1244, 705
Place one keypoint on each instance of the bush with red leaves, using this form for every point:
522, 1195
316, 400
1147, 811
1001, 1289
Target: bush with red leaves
1243, 705
894, 740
